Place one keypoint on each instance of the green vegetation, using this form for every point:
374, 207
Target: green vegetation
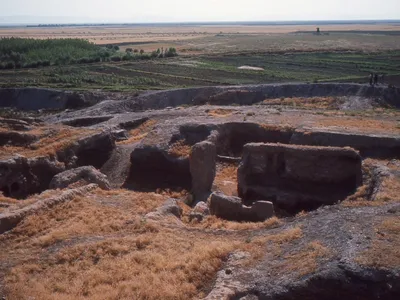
17, 53
30, 53
80, 65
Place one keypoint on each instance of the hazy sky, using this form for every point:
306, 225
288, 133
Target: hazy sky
199, 10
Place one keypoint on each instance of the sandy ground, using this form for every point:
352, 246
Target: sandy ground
140, 34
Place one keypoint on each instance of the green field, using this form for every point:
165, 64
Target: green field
201, 70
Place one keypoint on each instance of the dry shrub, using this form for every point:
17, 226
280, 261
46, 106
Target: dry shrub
305, 261
212, 222
220, 112
384, 251
180, 149
226, 179
139, 133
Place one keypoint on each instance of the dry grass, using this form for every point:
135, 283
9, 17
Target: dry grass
108, 252
384, 251
226, 179
152, 265
220, 113
360, 123
18, 204
389, 192
180, 149
139, 133
100, 247
173, 194
271, 127
51, 140
305, 261
309, 103
271, 245
212, 222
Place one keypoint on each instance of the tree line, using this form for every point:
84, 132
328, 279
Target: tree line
18, 53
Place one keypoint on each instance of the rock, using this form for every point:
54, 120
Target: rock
170, 207
88, 173
298, 178
202, 167
14, 124
86, 121
200, 211
226, 207
262, 210
231, 208
13, 138
120, 134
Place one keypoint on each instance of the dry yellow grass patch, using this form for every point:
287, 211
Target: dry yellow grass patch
220, 112
226, 179
17, 204
212, 222
389, 192
51, 140
313, 102
149, 263
172, 194
138, 203
360, 123
7, 200
101, 212
305, 261
272, 127
139, 133
101, 248
384, 251
271, 244
180, 149
152, 265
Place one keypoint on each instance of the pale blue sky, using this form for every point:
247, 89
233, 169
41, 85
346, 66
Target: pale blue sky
201, 10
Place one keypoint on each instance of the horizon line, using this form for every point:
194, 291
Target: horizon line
258, 22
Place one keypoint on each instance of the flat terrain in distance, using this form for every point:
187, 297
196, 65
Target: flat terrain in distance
221, 38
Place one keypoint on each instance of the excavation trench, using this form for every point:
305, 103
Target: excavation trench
21, 177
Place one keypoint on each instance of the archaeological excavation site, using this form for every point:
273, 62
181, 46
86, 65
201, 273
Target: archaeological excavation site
276, 191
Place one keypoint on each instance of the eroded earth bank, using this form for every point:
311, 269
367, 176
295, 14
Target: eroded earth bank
251, 192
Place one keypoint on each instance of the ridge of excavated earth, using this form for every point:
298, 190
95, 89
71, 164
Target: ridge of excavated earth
324, 159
